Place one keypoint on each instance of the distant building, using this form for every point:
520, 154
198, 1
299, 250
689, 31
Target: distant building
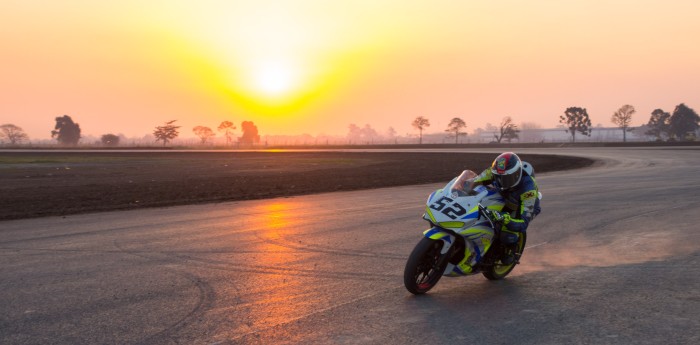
559, 135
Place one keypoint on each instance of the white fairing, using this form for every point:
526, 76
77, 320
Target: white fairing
455, 207
458, 201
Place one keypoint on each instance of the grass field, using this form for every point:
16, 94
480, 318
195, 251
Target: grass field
34, 184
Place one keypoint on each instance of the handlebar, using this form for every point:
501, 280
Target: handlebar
492, 216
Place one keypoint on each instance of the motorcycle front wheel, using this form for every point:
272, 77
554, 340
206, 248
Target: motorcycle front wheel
424, 267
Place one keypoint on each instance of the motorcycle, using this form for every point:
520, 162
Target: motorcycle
465, 237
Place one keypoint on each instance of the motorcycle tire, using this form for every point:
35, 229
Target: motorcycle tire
424, 267
499, 271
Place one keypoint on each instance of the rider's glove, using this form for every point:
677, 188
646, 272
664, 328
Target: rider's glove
505, 217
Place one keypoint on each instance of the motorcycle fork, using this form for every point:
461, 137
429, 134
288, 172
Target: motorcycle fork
458, 251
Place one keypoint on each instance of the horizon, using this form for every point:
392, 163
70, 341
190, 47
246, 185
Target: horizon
297, 67
531, 135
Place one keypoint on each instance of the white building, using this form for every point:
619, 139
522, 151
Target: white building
559, 135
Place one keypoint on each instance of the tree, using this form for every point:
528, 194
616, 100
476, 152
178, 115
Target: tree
354, 133
368, 133
250, 133
623, 118
13, 134
659, 124
166, 132
365, 134
227, 127
204, 133
510, 132
66, 131
684, 122
391, 134
576, 120
507, 130
455, 126
110, 140
491, 129
420, 123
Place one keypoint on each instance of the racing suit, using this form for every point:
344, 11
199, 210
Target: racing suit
521, 201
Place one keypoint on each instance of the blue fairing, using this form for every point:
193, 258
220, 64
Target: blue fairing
473, 215
478, 253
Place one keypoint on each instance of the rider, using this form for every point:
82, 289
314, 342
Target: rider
519, 189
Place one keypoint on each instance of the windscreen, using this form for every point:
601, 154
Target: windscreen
463, 183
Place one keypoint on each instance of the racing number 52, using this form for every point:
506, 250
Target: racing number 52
453, 211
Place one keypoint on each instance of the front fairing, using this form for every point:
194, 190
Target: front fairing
455, 206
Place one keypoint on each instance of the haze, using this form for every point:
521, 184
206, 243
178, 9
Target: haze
314, 67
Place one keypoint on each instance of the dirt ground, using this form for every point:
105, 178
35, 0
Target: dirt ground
35, 184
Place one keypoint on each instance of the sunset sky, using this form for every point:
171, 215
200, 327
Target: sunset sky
316, 66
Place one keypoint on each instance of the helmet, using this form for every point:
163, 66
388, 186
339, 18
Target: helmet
507, 169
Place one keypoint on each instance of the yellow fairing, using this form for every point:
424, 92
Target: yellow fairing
437, 235
465, 264
477, 232
452, 225
496, 207
480, 237
486, 243
430, 214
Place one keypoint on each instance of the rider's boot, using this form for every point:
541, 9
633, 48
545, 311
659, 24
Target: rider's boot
510, 244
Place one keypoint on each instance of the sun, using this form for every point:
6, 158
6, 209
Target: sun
273, 86
276, 59
275, 79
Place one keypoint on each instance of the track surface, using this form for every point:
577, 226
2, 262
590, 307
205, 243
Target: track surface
613, 259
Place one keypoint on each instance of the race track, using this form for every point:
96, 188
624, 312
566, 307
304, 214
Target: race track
613, 259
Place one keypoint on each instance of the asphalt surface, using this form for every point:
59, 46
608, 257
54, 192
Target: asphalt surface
613, 259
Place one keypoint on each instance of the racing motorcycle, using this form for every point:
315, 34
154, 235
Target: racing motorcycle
465, 237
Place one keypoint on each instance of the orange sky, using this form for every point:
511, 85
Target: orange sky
315, 66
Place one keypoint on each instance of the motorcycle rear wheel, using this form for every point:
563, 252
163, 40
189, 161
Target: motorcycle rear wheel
424, 267
499, 271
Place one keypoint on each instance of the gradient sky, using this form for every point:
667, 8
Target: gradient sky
307, 66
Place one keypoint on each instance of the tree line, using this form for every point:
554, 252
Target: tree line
169, 131
681, 125
248, 129
68, 132
456, 128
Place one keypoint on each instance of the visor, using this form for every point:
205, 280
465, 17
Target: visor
508, 181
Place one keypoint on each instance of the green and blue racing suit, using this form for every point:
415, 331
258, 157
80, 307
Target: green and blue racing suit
521, 202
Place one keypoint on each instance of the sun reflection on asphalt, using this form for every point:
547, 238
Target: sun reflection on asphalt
283, 296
